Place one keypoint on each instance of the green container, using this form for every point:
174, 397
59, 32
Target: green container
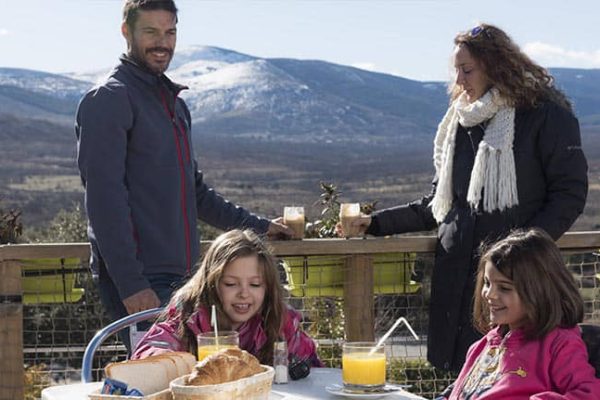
324, 275
51, 280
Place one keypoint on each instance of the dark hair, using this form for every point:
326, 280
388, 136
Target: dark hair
201, 290
522, 82
548, 291
131, 8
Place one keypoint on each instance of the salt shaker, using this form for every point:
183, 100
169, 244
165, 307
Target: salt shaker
280, 361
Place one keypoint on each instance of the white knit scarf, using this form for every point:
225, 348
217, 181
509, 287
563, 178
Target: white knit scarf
494, 167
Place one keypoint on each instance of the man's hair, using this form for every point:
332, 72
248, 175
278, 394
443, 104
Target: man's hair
547, 290
131, 8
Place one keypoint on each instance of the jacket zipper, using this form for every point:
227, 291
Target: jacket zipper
176, 133
472, 144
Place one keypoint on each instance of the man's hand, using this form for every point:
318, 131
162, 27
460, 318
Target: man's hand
277, 230
140, 301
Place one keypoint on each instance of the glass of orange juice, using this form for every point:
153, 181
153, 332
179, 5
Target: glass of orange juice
363, 370
209, 344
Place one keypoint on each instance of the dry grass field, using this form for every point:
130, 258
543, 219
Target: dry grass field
262, 176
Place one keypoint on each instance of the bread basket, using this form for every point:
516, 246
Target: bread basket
255, 387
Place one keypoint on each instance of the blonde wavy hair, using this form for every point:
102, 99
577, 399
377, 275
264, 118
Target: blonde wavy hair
522, 82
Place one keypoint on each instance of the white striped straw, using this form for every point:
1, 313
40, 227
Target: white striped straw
213, 323
389, 332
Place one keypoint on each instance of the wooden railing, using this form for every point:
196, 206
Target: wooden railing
358, 284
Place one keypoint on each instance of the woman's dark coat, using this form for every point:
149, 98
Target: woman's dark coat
552, 187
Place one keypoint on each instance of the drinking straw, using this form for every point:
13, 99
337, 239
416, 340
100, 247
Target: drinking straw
389, 332
213, 323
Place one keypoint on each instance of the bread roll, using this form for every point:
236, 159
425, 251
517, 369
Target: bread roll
224, 366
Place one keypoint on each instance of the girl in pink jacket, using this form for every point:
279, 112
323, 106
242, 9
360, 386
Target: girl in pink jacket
528, 306
239, 276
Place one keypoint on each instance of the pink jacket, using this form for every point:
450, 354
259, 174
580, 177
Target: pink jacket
162, 336
553, 367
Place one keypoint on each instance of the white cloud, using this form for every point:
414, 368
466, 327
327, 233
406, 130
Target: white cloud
3, 32
554, 56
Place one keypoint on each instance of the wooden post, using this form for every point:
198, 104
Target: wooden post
358, 298
11, 332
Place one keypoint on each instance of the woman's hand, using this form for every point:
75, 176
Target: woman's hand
354, 228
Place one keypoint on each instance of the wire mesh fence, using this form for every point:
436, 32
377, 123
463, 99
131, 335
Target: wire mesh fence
62, 312
400, 289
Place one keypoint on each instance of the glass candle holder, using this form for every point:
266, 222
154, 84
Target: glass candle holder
294, 218
349, 212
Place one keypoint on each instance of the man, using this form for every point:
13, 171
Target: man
143, 191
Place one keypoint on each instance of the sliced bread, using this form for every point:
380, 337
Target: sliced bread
185, 361
148, 376
154, 373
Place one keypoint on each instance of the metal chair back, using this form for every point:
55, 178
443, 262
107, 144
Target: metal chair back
104, 333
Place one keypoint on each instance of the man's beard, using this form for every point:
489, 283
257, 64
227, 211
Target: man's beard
139, 56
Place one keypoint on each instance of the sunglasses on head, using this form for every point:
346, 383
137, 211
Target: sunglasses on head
479, 30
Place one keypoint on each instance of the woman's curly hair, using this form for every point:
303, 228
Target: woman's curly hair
519, 80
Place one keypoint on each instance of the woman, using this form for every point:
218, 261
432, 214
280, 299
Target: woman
507, 154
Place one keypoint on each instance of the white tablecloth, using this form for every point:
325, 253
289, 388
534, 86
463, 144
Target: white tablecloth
76, 391
310, 388
313, 387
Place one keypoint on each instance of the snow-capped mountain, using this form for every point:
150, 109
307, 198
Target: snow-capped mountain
237, 95
207, 54
240, 95
90, 77
29, 94
42, 82
243, 108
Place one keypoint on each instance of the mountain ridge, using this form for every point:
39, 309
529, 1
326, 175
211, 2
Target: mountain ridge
285, 99
266, 131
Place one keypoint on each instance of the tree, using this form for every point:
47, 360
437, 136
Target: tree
67, 226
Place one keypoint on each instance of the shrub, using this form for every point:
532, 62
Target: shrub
36, 378
324, 227
422, 377
67, 226
10, 225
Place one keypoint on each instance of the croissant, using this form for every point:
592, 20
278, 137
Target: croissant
224, 366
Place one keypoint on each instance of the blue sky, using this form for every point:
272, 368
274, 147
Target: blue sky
410, 38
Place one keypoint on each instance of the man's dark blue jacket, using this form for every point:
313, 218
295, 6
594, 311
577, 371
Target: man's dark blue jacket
143, 190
